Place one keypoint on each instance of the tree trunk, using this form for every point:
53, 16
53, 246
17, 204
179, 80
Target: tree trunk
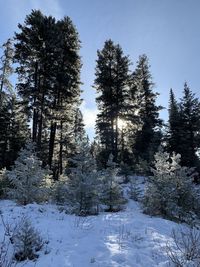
61, 149
51, 142
35, 111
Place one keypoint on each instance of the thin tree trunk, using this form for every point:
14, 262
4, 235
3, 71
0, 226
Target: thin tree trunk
35, 111
51, 142
39, 139
61, 149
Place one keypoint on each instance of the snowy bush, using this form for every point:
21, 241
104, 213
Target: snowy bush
111, 192
185, 249
171, 191
26, 241
28, 178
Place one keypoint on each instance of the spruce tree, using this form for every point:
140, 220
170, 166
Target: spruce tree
49, 78
6, 71
174, 143
82, 183
112, 79
111, 192
19, 131
190, 134
147, 136
27, 177
170, 191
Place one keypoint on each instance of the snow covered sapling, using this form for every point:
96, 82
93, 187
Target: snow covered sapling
111, 193
27, 177
83, 182
135, 191
26, 241
60, 190
171, 191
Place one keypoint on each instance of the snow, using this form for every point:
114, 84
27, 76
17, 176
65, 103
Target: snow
127, 238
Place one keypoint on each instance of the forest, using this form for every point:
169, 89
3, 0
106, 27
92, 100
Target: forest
46, 155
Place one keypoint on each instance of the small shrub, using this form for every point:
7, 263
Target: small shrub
6, 260
186, 249
26, 241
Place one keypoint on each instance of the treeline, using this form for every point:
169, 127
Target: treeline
44, 106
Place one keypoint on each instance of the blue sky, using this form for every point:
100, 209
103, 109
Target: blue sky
168, 31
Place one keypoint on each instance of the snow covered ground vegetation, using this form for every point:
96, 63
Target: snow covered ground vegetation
127, 238
47, 235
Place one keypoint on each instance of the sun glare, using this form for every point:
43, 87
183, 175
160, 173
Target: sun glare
121, 124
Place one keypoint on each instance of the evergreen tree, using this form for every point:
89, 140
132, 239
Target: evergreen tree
4, 132
190, 134
27, 241
49, 75
170, 191
112, 79
79, 130
148, 134
14, 130
6, 69
18, 129
175, 128
5, 94
27, 177
111, 193
83, 182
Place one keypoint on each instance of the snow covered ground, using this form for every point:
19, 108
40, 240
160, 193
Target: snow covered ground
124, 239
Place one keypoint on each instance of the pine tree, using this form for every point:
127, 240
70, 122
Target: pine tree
79, 130
111, 193
27, 177
4, 132
49, 78
112, 79
83, 182
190, 134
27, 241
14, 130
6, 69
171, 191
147, 136
19, 131
174, 143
